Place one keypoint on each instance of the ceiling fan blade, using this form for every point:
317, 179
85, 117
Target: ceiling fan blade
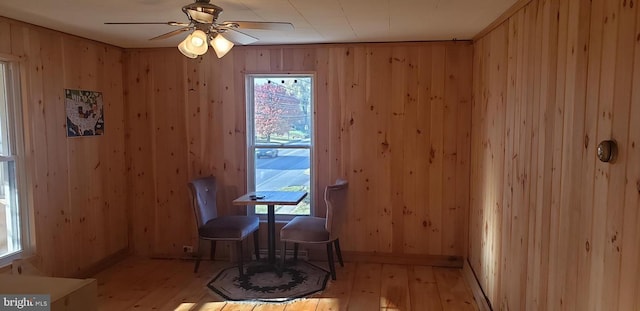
150, 23
239, 37
281, 26
171, 33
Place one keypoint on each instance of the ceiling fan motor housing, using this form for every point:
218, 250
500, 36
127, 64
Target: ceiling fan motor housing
202, 11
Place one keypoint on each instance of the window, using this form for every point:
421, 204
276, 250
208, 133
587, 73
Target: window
12, 214
280, 137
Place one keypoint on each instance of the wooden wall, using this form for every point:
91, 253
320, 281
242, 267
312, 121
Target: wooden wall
394, 119
551, 227
77, 184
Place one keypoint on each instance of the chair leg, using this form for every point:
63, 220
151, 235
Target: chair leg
240, 255
256, 244
213, 250
295, 252
198, 255
283, 252
332, 266
338, 252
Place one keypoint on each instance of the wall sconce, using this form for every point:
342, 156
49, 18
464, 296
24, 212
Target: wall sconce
607, 151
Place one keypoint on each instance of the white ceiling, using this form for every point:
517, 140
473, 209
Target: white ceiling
315, 21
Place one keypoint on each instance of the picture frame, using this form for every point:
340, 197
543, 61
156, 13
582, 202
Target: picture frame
85, 113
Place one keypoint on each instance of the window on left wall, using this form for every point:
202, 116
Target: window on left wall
13, 213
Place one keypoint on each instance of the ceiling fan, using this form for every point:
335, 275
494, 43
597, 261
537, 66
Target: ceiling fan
203, 22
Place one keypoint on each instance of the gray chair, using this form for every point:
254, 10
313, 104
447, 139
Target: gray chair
219, 228
317, 230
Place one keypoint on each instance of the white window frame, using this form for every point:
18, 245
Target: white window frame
251, 143
17, 156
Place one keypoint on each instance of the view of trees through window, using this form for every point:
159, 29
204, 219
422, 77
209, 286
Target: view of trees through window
281, 137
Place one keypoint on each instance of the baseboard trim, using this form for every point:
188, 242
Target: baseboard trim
103, 264
405, 259
478, 294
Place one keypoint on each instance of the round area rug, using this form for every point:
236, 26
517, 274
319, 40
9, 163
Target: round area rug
262, 283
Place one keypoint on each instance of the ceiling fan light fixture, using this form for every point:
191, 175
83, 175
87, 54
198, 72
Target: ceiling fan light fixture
182, 47
221, 45
203, 18
197, 42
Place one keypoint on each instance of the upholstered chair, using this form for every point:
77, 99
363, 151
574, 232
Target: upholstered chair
317, 230
213, 227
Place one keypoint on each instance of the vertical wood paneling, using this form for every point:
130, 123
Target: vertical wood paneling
399, 88
565, 240
394, 119
476, 214
459, 62
170, 138
512, 132
594, 49
414, 243
488, 157
112, 154
559, 187
139, 95
522, 83
436, 148
66, 221
602, 235
377, 117
77, 185
449, 151
625, 21
630, 256
574, 131
5, 37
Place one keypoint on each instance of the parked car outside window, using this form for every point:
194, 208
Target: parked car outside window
264, 150
266, 153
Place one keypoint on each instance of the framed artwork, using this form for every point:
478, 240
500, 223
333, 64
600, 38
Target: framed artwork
85, 113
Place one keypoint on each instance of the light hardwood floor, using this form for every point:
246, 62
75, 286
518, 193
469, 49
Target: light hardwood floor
146, 284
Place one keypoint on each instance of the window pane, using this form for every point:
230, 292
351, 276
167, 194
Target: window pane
9, 213
280, 136
283, 170
4, 132
282, 110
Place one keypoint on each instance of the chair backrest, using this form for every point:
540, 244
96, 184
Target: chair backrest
335, 196
203, 199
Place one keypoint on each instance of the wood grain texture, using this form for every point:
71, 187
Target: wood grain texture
393, 119
394, 293
77, 185
424, 289
147, 284
403, 101
455, 293
548, 221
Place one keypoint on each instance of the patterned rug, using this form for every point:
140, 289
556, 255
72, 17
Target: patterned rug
261, 283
